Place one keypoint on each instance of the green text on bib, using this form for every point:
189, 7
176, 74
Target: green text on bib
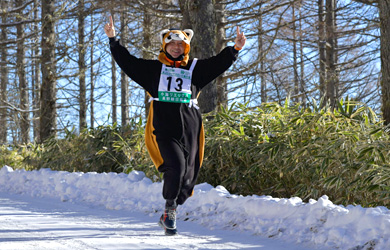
174, 97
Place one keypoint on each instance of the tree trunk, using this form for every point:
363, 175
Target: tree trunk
23, 89
261, 58
113, 91
384, 16
48, 113
124, 77
295, 56
82, 68
203, 44
302, 86
147, 48
124, 99
114, 96
331, 52
92, 92
220, 44
36, 80
322, 47
3, 79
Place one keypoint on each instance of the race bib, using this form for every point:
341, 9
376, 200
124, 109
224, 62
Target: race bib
175, 84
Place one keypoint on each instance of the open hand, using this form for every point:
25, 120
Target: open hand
240, 39
109, 28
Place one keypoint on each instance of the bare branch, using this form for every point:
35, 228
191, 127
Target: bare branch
14, 10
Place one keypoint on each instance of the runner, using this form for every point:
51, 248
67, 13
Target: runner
174, 132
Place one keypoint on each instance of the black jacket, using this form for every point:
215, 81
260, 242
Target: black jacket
172, 119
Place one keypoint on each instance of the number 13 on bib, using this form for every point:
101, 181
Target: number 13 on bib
175, 84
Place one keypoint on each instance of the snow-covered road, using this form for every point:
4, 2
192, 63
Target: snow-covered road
48, 209
42, 223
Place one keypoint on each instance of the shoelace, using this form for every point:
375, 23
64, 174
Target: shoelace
172, 214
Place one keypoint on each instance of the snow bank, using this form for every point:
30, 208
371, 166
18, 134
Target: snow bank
317, 223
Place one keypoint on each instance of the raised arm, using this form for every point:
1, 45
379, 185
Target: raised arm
139, 70
240, 40
109, 28
209, 69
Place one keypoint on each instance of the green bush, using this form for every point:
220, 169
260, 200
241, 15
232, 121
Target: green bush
288, 151
13, 156
283, 151
103, 149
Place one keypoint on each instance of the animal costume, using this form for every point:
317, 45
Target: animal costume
174, 132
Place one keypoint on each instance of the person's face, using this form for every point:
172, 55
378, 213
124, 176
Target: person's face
175, 48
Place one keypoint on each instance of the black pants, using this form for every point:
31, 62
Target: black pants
180, 169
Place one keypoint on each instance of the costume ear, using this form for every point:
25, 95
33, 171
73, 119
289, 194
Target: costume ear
162, 34
189, 33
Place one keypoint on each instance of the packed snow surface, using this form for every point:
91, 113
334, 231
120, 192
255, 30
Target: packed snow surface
313, 225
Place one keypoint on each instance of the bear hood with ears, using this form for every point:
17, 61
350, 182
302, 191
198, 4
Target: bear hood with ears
167, 36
